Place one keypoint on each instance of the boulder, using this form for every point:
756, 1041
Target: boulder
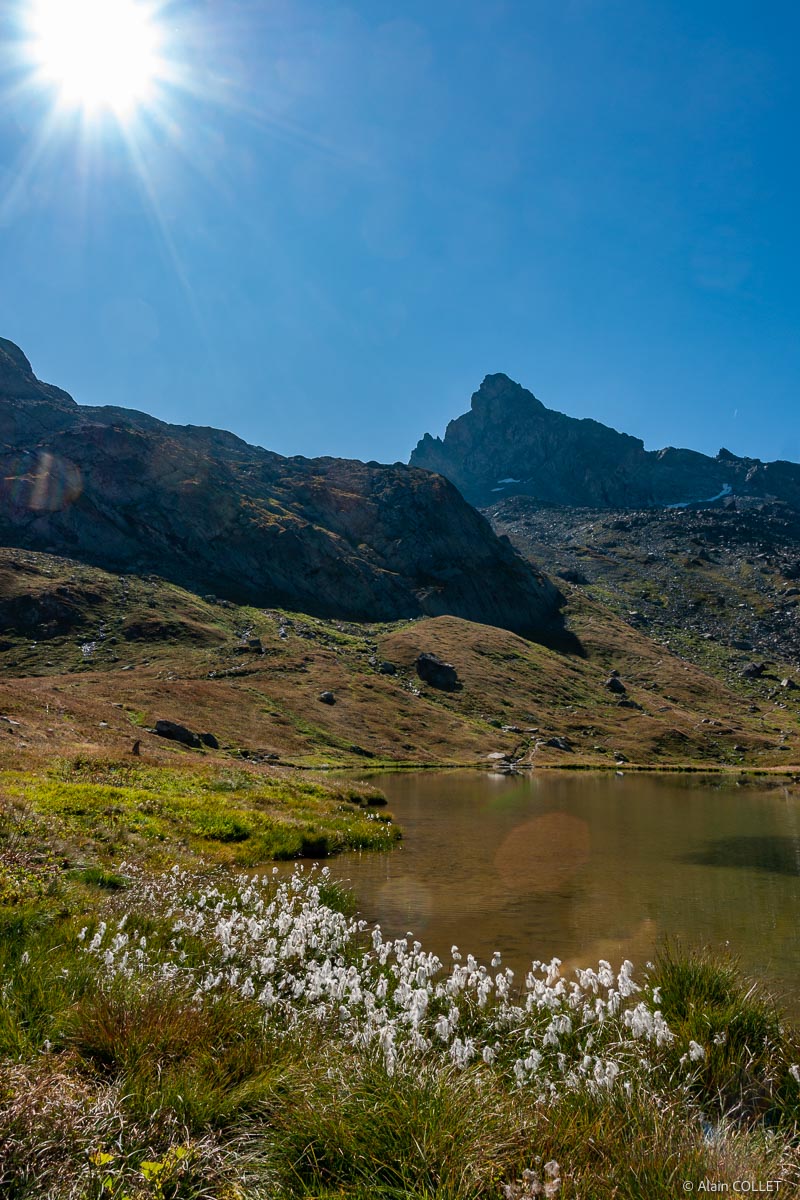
753, 670
176, 733
387, 668
571, 575
558, 743
437, 673
327, 698
615, 684
209, 740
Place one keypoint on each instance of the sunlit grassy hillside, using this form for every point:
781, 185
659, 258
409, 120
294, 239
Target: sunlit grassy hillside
89, 662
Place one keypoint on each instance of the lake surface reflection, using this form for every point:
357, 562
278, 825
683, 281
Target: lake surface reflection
588, 866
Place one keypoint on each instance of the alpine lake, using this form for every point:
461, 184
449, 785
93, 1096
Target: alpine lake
586, 866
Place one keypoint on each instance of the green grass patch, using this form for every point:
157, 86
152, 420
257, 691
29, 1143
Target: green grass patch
108, 810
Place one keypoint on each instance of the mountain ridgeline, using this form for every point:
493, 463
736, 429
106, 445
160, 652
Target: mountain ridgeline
510, 444
331, 537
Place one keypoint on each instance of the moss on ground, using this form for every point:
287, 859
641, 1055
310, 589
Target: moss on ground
96, 811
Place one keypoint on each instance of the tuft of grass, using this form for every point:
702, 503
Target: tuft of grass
353, 1129
232, 780
202, 1065
338, 897
97, 877
644, 1145
745, 1073
219, 827
60, 1136
45, 977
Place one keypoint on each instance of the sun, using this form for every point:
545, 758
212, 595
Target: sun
98, 55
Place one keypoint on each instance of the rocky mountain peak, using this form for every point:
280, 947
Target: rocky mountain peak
18, 382
510, 444
500, 396
17, 357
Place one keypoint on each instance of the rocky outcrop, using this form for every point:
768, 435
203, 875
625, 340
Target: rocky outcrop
199, 506
510, 444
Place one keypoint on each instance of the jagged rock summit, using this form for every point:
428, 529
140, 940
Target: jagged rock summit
510, 444
18, 380
327, 536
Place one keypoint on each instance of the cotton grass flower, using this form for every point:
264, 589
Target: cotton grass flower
274, 942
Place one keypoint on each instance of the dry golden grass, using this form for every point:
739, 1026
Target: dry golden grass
192, 670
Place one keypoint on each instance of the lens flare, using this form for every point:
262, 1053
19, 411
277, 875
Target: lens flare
39, 482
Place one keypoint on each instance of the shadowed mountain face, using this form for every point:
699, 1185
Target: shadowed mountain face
510, 444
331, 537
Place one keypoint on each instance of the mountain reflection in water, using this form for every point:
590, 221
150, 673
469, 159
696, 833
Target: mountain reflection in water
775, 853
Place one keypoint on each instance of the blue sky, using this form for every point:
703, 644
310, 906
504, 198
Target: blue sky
346, 215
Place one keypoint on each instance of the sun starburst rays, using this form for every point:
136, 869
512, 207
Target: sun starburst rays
97, 55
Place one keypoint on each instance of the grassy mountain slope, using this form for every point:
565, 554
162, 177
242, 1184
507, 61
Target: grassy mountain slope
90, 661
